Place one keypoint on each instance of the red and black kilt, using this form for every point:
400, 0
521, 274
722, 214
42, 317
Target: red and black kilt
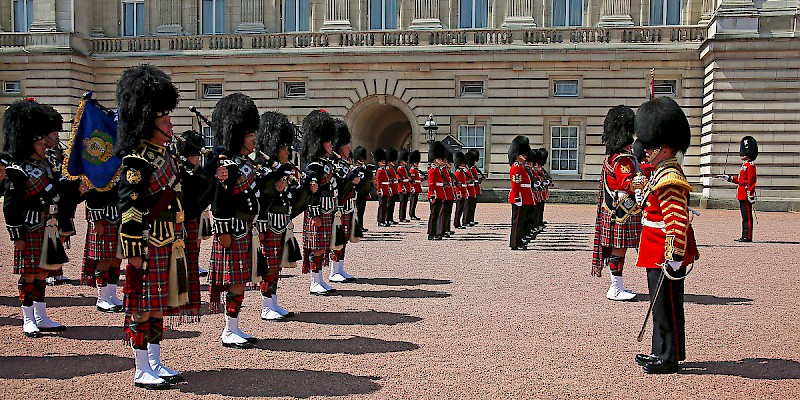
347, 224
272, 249
27, 261
148, 292
317, 237
619, 235
233, 265
102, 247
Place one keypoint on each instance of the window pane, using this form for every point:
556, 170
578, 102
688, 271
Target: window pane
559, 12
289, 16
208, 16
128, 15
573, 154
139, 19
303, 16
563, 165
390, 21
657, 12
481, 13
219, 16
465, 14
573, 165
575, 12
375, 14
573, 143
673, 12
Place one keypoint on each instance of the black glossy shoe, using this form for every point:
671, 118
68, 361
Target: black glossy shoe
430, 237
643, 359
437, 238
60, 328
661, 367
742, 240
364, 230
240, 346
34, 335
405, 220
154, 386
173, 379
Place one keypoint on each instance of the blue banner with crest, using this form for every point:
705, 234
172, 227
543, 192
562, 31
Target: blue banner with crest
90, 151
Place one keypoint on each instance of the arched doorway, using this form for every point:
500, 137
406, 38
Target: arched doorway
381, 121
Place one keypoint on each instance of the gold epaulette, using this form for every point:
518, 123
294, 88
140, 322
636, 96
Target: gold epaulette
671, 177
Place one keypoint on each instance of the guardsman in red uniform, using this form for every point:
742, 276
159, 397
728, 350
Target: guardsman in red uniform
547, 183
445, 170
532, 227
403, 184
618, 223
436, 193
383, 185
469, 211
473, 156
391, 170
416, 183
462, 190
520, 196
667, 244
746, 192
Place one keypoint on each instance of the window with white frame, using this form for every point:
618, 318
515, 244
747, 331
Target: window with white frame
208, 139
294, 90
22, 11
473, 14
663, 88
665, 12
474, 138
133, 18
567, 12
296, 16
383, 14
212, 90
564, 149
472, 88
565, 88
12, 87
213, 17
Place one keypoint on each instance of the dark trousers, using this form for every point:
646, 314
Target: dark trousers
471, 204
361, 206
434, 218
403, 206
383, 208
412, 211
517, 223
460, 217
669, 324
446, 215
390, 208
746, 207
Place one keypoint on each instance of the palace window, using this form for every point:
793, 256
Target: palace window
294, 90
472, 89
213, 17
296, 16
564, 149
567, 12
565, 88
473, 14
212, 90
383, 14
12, 87
23, 15
665, 12
133, 18
665, 88
474, 138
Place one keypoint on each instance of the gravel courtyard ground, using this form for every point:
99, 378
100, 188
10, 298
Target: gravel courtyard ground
461, 318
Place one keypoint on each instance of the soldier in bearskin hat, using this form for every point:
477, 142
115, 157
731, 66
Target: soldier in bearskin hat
746, 182
31, 207
364, 187
415, 182
319, 134
521, 195
384, 187
235, 206
473, 156
348, 177
437, 154
667, 244
618, 223
462, 191
391, 170
403, 183
450, 183
151, 228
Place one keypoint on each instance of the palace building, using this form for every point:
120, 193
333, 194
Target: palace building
486, 70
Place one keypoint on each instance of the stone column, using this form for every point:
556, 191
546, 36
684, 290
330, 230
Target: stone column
426, 15
44, 16
337, 16
616, 13
733, 17
519, 15
252, 17
708, 11
170, 18
98, 18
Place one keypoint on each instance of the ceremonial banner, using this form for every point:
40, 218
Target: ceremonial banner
90, 151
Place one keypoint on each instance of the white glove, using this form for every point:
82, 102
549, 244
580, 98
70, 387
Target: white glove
675, 265
724, 177
752, 199
639, 197
518, 202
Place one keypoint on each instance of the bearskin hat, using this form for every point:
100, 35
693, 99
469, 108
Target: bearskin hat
543, 154
638, 150
55, 121
402, 155
472, 157
414, 157
519, 145
460, 159
436, 150
191, 144
449, 156
359, 153
749, 147
391, 154
379, 155
234, 117
661, 122
24, 122
144, 93
343, 137
318, 128
618, 129
274, 132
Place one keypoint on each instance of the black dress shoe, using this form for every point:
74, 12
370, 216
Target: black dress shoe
661, 367
446, 234
289, 314
364, 230
451, 232
34, 335
643, 359
155, 386
60, 328
742, 240
430, 237
173, 379
437, 238
241, 346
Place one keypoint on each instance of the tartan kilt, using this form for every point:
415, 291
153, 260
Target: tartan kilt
317, 237
619, 235
272, 248
27, 261
102, 247
148, 292
347, 224
233, 265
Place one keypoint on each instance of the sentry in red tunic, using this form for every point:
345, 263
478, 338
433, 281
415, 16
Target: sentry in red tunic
476, 178
435, 183
520, 186
404, 182
746, 181
449, 183
462, 191
383, 182
416, 180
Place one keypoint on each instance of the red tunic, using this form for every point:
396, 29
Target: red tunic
404, 184
382, 182
647, 169
416, 180
435, 183
476, 177
746, 181
462, 190
392, 179
520, 186
449, 184
623, 167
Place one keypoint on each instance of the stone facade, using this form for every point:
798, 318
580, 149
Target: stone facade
732, 66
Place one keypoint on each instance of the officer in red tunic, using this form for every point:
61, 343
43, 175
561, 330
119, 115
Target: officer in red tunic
391, 171
473, 156
520, 196
618, 223
384, 187
446, 216
462, 190
746, 181
416, 183
403, 183
667, 244
436, 193
471, 185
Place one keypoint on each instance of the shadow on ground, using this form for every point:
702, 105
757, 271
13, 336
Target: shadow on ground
277, 383
8, 321
751, 368
385, 294
115, 333
355, 318
707, 300
352, 345
61, 367
402, 281
13, 301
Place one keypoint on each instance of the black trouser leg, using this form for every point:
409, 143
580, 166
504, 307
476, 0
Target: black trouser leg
413, 206
472, 204
390, 209
383, 205
361, 207
459, 213
403, 206
435, 218
516, 238
448, 215
746, 207
669, 335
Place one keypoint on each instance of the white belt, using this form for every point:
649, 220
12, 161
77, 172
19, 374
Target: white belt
405, 180
439, 184
654, 224
526, 185
384, 183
